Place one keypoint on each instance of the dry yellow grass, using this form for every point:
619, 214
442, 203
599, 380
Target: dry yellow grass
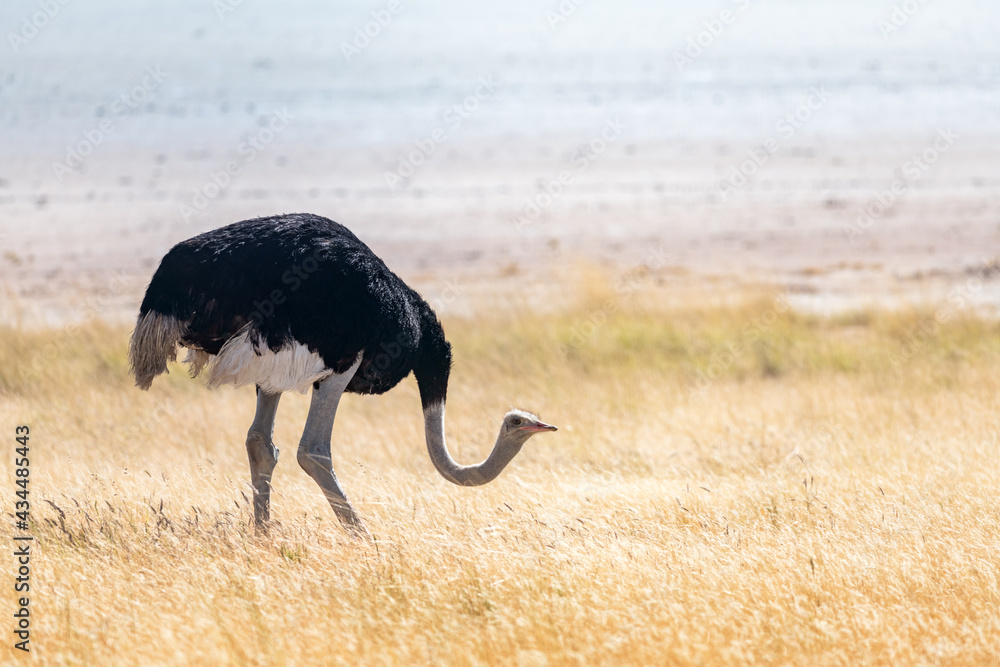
826, 496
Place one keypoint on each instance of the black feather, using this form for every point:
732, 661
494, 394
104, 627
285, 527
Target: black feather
302, 277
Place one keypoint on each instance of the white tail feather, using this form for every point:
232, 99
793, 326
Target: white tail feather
239, 362
153, 343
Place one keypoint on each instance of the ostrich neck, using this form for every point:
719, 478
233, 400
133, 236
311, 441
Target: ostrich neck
451, 470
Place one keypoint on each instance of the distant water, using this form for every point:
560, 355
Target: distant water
227, 63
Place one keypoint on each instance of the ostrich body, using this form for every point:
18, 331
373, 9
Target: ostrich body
296, 300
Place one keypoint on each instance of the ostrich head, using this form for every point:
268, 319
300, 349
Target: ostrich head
515, 429
518, 426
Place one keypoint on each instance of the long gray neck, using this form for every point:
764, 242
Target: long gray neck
474, 475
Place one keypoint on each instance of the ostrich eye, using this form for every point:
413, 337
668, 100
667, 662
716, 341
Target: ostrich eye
516, 421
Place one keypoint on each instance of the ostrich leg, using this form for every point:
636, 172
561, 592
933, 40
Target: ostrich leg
314, 448
263, 455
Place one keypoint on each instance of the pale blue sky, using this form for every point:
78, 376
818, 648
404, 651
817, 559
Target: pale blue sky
939, 65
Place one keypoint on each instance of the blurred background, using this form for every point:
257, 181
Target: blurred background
845, 149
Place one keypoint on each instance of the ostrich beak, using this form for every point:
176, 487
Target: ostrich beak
540, 426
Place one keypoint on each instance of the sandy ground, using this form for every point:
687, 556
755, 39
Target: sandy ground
477, 217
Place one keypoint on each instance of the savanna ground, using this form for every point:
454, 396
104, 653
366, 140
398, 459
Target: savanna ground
734, 482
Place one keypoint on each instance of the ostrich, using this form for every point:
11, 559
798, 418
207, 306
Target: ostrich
290, 301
